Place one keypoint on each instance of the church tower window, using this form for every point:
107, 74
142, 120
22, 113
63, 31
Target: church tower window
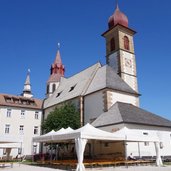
53, 87
126, 42
47, 90
112, 44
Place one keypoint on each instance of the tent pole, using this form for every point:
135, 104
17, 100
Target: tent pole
139, 150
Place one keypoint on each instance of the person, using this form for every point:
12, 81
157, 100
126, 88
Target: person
131, 157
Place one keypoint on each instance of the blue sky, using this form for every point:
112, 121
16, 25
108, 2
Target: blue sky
31, 29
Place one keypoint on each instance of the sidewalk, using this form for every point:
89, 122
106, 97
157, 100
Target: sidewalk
23, 167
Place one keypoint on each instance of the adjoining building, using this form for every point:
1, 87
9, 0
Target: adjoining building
20, 116
107, 96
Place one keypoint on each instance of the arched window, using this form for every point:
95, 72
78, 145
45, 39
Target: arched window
47, 89
126, 43
53, 87
112, 44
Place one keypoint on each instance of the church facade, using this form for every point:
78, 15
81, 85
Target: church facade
107, 95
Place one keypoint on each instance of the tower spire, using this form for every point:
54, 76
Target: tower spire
56, 72
27, 86
117, 5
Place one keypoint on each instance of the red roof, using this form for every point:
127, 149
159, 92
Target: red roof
118, 18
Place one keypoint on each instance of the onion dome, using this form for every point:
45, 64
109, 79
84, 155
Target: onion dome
118, 18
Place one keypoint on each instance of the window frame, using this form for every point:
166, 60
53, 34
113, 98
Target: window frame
21, 131
8, 114
7, 128
36, 130
36, 115
22, 114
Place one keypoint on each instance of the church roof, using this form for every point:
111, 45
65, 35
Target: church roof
72, 87
20, 101
118, 17
106, 77
92, 79
128, 113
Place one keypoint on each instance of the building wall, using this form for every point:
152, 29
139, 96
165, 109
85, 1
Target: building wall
15, 120
122, 97
93, 106
98, 102
143, 148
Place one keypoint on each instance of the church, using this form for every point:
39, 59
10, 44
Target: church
107, 96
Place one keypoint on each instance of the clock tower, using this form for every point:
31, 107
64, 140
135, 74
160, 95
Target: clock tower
120, 48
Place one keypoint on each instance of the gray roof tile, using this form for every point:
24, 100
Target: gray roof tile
128, 113
81, 81
106, 77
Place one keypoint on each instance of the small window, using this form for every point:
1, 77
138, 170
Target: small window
36, 116
58, 94
8, 113
19, 151
8, 99
21, 129
72, 88
24, 102
7, 129
53, 87
35, 130
112, 44
145, 133
34, 149
161, 145
22, 114
126, 43
4, 151
47, 89
146, 143
106, 144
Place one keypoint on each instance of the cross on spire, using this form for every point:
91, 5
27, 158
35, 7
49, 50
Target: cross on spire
59, 45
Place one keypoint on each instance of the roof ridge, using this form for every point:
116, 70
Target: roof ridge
91, 78
117, 103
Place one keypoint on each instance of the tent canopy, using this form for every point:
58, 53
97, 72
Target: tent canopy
49, 136
82, 135
90, 132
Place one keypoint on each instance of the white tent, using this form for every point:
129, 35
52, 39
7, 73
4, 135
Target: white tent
49, 136
88, 132
82, 135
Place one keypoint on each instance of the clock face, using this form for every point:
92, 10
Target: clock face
128, 63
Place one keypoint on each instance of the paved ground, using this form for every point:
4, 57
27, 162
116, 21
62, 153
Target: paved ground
22, 167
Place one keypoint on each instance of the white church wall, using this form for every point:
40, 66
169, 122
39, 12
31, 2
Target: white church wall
121, 97
15, 121
164, 135
144, 148
93, 106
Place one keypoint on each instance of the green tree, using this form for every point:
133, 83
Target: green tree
65, 116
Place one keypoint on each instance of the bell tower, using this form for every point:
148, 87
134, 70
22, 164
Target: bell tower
120, 53
57, 71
